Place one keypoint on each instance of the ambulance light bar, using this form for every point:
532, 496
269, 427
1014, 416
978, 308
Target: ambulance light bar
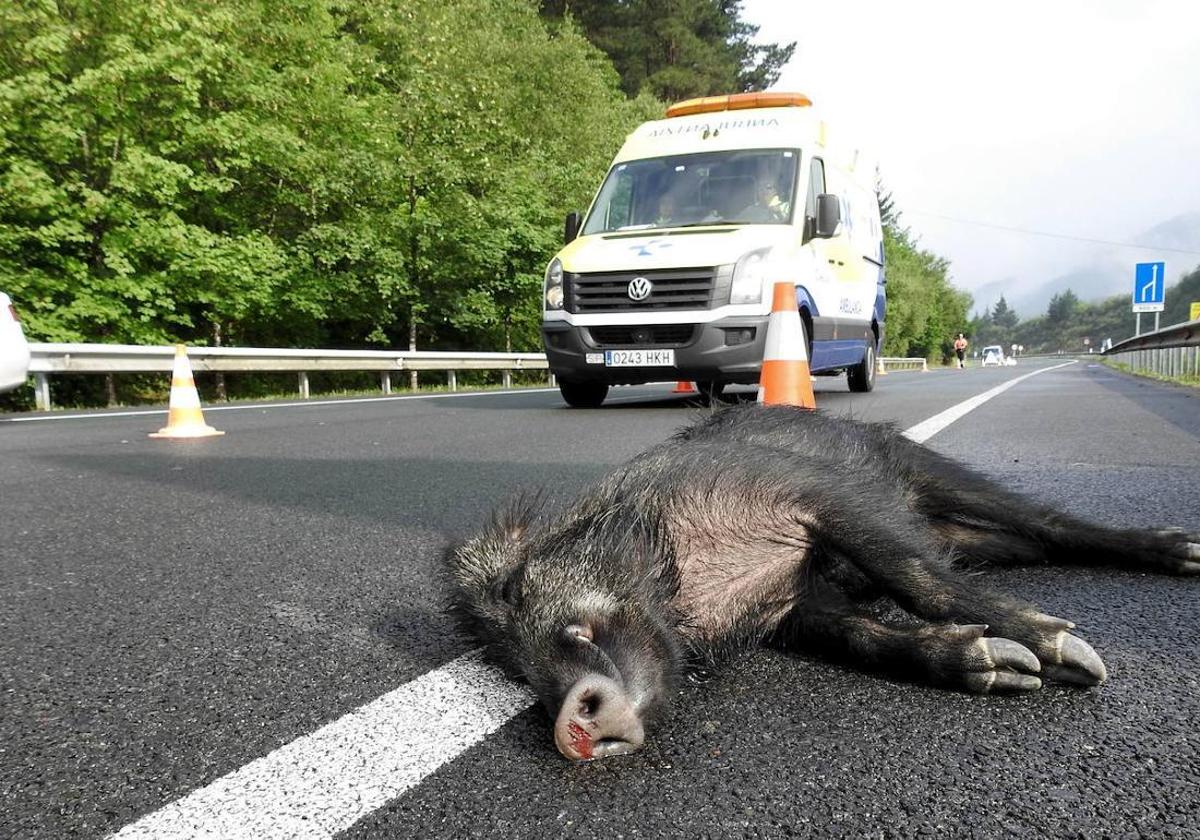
737, 102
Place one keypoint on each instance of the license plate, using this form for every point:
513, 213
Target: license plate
639, 358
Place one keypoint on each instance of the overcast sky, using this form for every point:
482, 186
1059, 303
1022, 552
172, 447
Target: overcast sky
1072, 117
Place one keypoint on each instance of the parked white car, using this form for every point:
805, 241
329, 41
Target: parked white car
14, 349
993, 354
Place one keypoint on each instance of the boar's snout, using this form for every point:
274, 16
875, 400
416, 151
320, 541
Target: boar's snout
597, 719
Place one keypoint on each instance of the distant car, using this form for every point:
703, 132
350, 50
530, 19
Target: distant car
14, 349
993, 354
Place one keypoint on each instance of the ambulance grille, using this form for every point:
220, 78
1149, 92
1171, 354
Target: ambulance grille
652, 335
674, 288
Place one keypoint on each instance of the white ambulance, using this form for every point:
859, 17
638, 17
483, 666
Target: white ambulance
669, 275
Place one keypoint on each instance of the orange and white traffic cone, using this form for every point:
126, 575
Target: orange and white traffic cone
786, 379
683, 387
184, 418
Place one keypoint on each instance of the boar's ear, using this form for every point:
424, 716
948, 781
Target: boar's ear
479, 562
513, 520
482, 567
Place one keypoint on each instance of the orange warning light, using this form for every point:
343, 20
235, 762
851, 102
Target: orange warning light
737, 102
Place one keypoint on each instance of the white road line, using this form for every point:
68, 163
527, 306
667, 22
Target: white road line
926, 429
324, 782
268, 406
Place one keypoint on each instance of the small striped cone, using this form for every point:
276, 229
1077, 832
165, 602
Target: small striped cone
786, 379
184, 418
880, 370
683, 387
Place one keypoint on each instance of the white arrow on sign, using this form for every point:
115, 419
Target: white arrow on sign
1149, 288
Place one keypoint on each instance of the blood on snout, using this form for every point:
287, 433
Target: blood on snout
580, 740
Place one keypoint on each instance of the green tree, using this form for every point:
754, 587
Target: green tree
1002, 316
924, 311
889, 214
489, 154
677, 49
300, 173
1062, 307
159, 163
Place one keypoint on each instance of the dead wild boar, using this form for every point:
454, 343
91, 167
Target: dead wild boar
786, 527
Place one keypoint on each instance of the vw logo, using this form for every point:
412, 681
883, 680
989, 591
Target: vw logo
640, 288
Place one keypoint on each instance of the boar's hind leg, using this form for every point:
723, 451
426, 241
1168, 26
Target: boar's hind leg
1009, 531
987, 523
948, 655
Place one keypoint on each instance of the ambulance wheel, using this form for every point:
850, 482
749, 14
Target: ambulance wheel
583, 394
861, 377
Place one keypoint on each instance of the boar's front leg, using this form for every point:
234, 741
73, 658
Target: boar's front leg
826, 623
924, 582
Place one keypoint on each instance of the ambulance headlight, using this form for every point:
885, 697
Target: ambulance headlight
750, 276
554, 284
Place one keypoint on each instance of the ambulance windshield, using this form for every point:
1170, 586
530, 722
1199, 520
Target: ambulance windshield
741, 186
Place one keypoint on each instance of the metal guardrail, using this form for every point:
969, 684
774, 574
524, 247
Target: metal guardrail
1186, 334
47, 359
897, 363
1171, 351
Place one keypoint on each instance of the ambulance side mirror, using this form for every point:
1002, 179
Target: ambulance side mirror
571, 227
829, 214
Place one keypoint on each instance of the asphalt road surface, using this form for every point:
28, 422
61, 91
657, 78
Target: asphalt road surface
172, 611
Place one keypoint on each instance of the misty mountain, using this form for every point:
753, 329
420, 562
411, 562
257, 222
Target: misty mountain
1107, 275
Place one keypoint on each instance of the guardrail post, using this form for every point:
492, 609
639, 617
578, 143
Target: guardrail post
303, 377
553, 381
385, 382
506, 379
452, 380
41, 391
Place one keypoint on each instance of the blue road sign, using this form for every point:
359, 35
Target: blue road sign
1149, 287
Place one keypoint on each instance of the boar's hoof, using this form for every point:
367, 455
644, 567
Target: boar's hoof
1184, 551
1075, 662
597, 720
1006, 666
1190, 556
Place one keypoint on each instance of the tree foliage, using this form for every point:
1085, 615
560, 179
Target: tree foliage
1062, 307
293, 173
677, 49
